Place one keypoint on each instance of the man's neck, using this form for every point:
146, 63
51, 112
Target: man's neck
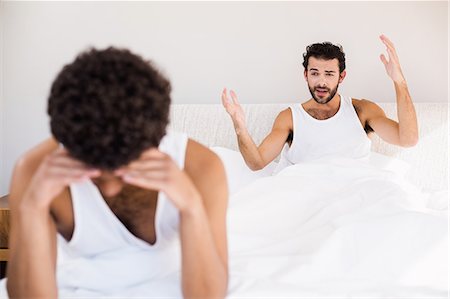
331, 106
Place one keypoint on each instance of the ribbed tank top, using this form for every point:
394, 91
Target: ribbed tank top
102, 255
341, 135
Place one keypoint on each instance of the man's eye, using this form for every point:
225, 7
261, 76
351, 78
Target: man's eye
330, 75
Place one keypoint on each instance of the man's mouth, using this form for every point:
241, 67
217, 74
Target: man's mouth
321, 91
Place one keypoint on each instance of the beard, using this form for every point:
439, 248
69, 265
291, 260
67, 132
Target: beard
318, 100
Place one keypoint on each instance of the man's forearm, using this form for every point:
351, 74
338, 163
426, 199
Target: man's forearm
31, 269
408, 129
204, 274
249, 150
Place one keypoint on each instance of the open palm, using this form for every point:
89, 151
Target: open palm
233, 108
392, 64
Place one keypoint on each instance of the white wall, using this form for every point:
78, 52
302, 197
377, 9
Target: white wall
3, 179
253, 47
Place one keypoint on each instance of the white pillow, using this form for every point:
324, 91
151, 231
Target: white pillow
238, 173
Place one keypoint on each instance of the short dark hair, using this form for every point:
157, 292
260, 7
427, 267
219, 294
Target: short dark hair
108, 106
327, 51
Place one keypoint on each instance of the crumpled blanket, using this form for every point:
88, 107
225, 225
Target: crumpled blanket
337, 228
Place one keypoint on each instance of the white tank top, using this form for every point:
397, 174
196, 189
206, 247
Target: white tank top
341, 135
103, 256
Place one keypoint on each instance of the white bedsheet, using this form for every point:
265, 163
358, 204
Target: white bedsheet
340, 228
337, 228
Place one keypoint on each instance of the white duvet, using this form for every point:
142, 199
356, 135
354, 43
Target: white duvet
339, 228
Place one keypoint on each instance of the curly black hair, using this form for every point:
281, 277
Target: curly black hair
108, 106
327, 51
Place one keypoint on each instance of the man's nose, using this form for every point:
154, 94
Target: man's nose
322, 82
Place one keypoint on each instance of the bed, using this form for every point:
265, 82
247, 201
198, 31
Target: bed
377, 228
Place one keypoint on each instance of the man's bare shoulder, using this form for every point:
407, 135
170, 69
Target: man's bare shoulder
205, 169
365, 105
27, 164
286, 114
200, 159
284, 119
31, 159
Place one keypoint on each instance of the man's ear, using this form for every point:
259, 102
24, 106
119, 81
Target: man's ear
342, 76
305, 75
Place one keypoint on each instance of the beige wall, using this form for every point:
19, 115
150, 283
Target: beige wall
253, 47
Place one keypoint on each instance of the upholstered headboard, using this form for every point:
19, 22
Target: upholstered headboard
211, 125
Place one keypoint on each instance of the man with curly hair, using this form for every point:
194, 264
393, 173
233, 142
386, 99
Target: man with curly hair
112, 204
328, 124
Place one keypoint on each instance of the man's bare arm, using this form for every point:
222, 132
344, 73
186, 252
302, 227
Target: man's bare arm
257, 157
203, 233
31, 268
405, 131
32, 265
200, 194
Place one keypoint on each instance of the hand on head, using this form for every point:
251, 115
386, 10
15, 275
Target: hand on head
155, 170
57, 171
